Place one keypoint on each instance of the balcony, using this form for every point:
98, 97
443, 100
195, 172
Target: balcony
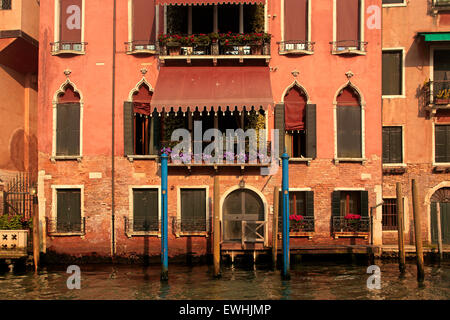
141, 47
60, 48
436, 95
345, 227
299, 226
61, 228
296, 47
215, 47
349, 47
440, 5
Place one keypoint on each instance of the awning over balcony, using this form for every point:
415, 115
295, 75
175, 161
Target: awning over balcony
435, 36
206, 2
211, 88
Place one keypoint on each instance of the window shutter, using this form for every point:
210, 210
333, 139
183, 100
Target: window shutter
441, 143
336, 203
396, 145
309, 196
386, 145
392, 73
155, 127
68, 129
145, 210
279, 124
68, 210
128, 128
349, 131
193, 210
433, 218
311, 137
364, 203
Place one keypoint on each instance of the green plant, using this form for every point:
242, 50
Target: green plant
16, 222
201, 40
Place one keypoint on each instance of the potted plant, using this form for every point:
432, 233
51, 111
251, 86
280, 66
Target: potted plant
214, 38
296, 222
353, 221
14, 232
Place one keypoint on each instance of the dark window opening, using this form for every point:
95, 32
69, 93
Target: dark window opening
350, 203
145, 210
296, 144
228, 16
389, 214
5, 4
177, 19
392, 66
202, 19
68, 123
392, 145
392, 1
68, 210
442, 143
193, 210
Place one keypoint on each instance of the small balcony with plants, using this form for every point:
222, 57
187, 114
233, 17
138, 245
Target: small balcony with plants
351, 225
436, 95
440, 5
299, 226
220, 32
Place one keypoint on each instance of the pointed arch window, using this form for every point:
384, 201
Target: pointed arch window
349, 124
68, 123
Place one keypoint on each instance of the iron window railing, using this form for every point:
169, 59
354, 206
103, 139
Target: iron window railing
141, 46
59, 227
63, 46
189, 225
142, 225
306, 224
5, 4
293, 46
214, 49
436, 93
348, 46
340, 224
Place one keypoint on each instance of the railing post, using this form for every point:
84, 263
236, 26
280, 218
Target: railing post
285, 189
164, 218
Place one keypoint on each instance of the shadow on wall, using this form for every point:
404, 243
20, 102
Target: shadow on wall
19, 142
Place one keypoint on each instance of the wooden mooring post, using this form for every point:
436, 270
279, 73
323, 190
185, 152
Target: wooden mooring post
401, 228
417, 232
276, 201
36, 238
439, 230
216, 230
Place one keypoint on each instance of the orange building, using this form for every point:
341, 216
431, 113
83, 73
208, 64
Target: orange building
116, 80
416, 115
19, 33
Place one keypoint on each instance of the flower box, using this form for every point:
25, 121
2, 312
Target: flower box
13, 239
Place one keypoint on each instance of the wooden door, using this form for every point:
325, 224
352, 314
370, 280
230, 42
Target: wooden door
445, 222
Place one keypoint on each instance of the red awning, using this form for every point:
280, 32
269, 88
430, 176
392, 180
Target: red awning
212, 87
206, 2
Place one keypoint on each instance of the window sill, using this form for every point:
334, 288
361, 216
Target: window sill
394, 168
394, 5
131, 158
308, 235
394, 96
301, 160
143, 234
364, 235
68, 52
295, 52
441, 167
65, 158
349, 52
192, 234
66, 234
361, 160
142, 52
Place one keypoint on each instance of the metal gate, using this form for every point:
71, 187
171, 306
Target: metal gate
17, 197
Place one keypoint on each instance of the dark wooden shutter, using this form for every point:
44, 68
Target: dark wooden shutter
311, 137
433, 220
349, 131
193, 210
309, 197
386, 145
392, 72
68, 210
156, 128
68, 129
442, 143
392, 145
336, 203
145, 210
128, 128
364, 203
279, 124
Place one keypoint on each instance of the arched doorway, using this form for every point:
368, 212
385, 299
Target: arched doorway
440, 198
243, 217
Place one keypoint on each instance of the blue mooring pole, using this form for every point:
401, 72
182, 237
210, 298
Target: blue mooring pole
164, 246
285, 191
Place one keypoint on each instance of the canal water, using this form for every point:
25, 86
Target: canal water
324, 280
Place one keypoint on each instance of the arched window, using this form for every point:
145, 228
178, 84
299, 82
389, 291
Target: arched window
295, 102
146, 124
68, 123
348, 120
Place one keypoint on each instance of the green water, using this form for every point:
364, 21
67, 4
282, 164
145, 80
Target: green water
322, 280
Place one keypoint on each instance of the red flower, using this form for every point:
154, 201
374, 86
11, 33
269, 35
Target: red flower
352, 217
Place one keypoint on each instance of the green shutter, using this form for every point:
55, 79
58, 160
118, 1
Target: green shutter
155, 127
433, 220
279, 124
349, 131
193, 210
309, 197
128, 128
311, 140
145, 210
396, 145
68, 129
386, 145
364, 203
68, 210
336, 204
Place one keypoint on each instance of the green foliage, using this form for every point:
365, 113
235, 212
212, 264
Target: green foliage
171, 123
14, 222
